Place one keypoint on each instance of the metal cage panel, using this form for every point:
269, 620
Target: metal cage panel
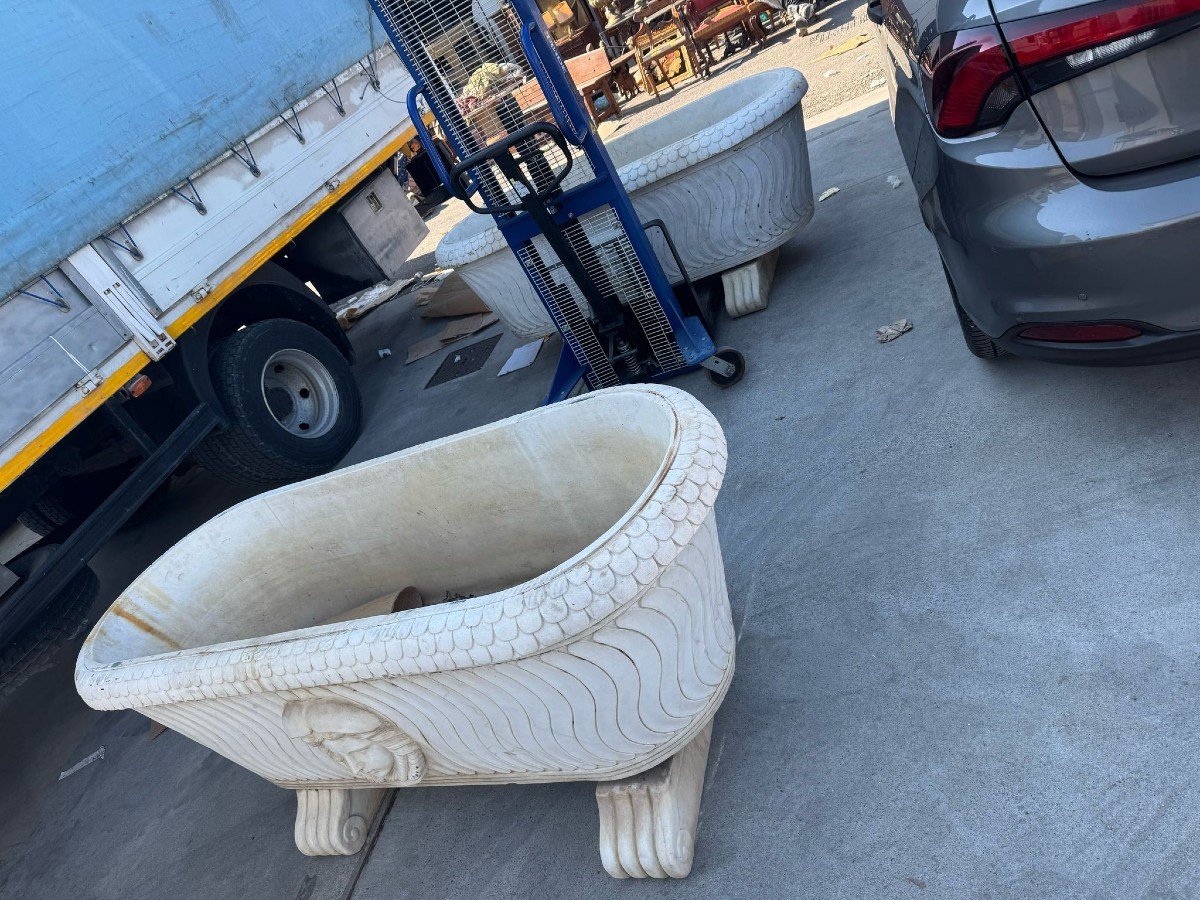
528, 151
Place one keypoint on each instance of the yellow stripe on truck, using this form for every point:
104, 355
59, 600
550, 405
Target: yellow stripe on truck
62, 426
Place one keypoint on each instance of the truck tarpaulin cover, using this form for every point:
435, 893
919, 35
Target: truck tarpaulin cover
108, 105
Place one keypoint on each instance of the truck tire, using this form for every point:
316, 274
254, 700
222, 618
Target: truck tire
293, 405
61, 620
48, 513
72, 500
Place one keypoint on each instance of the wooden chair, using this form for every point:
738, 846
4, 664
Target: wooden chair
654, 43
741, 14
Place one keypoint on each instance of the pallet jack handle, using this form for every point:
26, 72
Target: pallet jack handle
501, 153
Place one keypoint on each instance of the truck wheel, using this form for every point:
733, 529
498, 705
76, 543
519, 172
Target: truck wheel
61, 620
48, 513
72, 500
292, 401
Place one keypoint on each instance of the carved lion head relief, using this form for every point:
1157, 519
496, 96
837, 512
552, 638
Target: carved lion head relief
371, 747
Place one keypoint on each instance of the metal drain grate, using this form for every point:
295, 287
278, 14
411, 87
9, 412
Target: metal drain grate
464, 361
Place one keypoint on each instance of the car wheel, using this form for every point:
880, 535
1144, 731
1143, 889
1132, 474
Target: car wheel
292, 401
978, 343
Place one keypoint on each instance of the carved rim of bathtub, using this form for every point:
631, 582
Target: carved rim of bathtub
783, 89
549, 610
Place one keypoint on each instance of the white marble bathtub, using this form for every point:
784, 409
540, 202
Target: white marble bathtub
594, 641
728, 173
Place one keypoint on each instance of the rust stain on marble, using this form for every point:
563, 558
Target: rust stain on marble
142, 625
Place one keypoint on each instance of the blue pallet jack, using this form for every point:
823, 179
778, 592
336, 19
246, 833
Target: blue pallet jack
530, 157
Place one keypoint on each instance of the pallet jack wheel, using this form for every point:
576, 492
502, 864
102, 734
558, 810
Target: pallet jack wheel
735, 359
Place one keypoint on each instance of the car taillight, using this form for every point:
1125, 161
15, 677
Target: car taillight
1080, 333
974, 81
969, 81
1053, 48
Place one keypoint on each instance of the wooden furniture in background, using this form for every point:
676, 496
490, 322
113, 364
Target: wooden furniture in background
623, 76
739, 15
579, 40
592, 74
655, 43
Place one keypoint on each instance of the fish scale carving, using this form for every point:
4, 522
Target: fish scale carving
600, 671
553, 715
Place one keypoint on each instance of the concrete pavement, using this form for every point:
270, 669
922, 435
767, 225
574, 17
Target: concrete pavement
967, 628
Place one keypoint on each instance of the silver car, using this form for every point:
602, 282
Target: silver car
1055, 149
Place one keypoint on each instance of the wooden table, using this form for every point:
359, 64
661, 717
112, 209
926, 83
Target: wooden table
592, 72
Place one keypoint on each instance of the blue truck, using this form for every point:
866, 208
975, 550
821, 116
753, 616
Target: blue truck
185, 190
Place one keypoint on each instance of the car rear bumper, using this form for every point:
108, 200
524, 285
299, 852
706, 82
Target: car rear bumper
1027, 241
1154, 345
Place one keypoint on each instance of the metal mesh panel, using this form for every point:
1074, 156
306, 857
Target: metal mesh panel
468, 58
567, 309
602, 245
478, 78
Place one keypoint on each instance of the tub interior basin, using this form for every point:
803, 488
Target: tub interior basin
461, 517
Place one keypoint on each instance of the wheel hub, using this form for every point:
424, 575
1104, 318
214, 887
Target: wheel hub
300, 393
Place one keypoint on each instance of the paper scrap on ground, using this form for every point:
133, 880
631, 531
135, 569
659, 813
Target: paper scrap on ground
356, 306
86, 761
460, 328
826, 194
454, 331
846, 46
895, 181
893, 331
877, 83
523, 356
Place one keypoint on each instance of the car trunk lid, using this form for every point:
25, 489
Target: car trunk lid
1115, 83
